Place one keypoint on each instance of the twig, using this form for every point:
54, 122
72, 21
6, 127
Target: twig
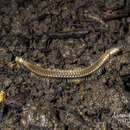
65, 35
115, 14
96, 18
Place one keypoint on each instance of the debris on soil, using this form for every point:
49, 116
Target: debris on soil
96, 101
115, 14
16, 101
126, 82
2, 96
65, 35
96, 19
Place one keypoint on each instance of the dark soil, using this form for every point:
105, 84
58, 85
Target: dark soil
101, 100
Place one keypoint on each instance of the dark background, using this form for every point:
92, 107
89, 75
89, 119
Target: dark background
59, 103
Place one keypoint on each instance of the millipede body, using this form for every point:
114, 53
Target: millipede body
74, 73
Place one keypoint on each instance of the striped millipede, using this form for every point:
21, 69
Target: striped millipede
75, 73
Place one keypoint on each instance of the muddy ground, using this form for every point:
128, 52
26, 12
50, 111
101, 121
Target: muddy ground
100, 100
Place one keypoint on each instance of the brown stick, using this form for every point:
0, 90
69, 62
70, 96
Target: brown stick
64, 35
115, 14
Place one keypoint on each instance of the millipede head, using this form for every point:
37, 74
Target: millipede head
112, 51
